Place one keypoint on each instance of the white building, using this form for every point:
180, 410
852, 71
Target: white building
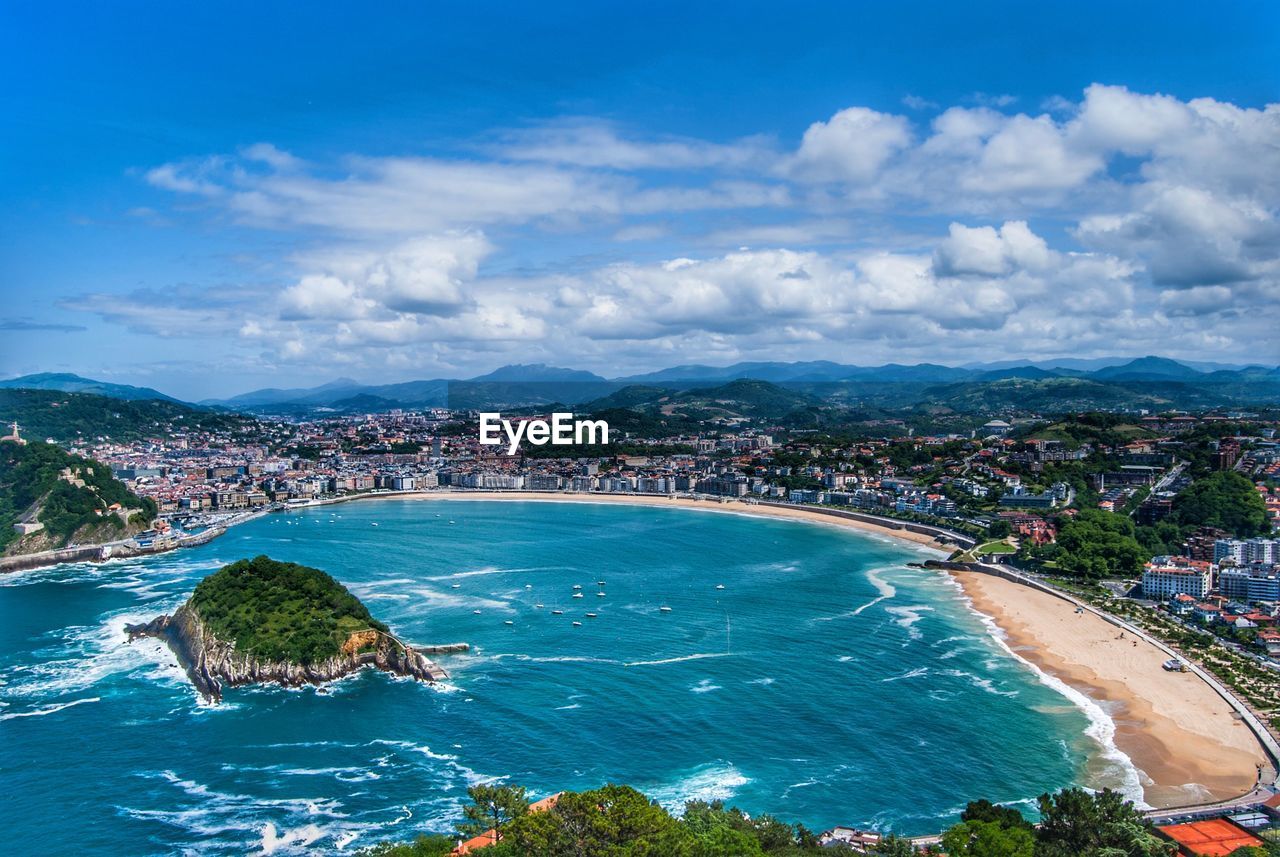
1246, 551
1165, 577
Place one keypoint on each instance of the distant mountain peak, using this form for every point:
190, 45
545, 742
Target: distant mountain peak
67, 382
525, 372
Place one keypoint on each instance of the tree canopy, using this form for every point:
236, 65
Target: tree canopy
280, 611
1096, 544
30, 475
618, 821
1226, 500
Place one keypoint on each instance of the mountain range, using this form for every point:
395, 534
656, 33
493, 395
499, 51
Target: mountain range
67, 383
889, 385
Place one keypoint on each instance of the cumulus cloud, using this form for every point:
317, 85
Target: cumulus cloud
1114, 218
851, 146
986, 251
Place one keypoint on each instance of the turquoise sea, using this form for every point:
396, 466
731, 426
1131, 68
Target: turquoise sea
826, 683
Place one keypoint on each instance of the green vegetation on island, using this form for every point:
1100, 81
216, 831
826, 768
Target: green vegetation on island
280, 611
69, 495
619, 821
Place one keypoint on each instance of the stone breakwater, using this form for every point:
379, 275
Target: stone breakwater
213, 663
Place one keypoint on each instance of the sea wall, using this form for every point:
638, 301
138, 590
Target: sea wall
101, 553
878, 521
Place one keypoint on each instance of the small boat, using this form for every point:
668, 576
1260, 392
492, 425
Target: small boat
599, 595
719, 586
453, 522
591, 615
576, 586
477, 612
664, 609
457, 586
528, 586
508, 622
375, 523
577, 595
599, 583
557, 612
538, 606
577, 624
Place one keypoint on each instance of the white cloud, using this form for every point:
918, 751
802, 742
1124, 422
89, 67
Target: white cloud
852, 146
1116, 218
986, 251
586, 143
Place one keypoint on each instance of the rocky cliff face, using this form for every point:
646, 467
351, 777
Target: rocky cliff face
213, 663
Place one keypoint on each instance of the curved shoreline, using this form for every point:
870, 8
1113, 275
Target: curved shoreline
1158, 752
727, 506
1177, 729
1175, 766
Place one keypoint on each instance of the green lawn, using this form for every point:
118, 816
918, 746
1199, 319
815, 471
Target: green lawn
995, 547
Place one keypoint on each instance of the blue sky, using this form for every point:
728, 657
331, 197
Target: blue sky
211, 198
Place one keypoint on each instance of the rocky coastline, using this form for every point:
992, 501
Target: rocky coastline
213, 663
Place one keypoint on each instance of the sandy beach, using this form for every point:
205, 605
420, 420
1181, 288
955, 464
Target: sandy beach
1183, 737
798, 513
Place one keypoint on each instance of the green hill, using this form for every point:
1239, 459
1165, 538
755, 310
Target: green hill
66, 493
82, 416
280, 611
67, 383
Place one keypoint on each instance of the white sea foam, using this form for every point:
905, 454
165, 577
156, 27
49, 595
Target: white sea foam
481, 572
88, 654
48, 709
562, 659
716, 781
435, 598
908, 617
1101, 728
302, 836
886, 589
979, 682
704, 686
682, 658
915, 673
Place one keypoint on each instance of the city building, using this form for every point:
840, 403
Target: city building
1167, 576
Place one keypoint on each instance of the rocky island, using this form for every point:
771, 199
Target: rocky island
260, 621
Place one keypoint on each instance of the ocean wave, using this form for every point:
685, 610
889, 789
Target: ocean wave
680, 659
704, 686
86, 655
907, 617
886, 589
1101, 728
437, 599
482, 572
715, 781
979, 682
915, 673
48, 709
